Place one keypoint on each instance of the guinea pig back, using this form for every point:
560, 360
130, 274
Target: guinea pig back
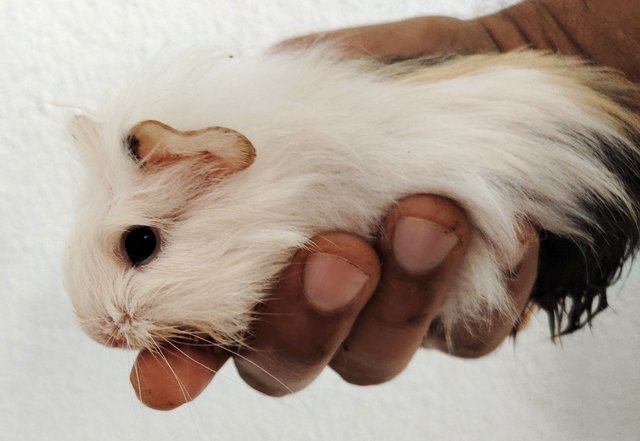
207, 173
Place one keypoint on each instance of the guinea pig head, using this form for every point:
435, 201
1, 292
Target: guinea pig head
131, 269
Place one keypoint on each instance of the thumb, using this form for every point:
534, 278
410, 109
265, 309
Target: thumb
175, 374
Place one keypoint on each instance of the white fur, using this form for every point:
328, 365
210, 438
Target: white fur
337, 143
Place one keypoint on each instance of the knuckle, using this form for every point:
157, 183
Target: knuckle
263, 376
281, 374
363, 376
360, 370
460, 344
473, 349
408, 322
309, 359
264, 383
268, 390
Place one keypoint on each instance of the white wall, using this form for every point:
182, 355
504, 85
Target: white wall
56, 384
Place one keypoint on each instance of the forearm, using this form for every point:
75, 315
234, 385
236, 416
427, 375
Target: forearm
604, 31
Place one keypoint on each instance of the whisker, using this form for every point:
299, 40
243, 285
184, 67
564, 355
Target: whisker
215, 371
135, 370
260, 368
210, 342
200, 364
187, 397
185, 393
89, 320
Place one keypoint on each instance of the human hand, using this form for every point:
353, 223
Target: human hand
606, 33
404, 39
361, 310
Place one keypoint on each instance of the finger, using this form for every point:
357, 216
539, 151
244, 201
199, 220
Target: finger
477, 338
403, 39
309, 314
174, 375
423, 242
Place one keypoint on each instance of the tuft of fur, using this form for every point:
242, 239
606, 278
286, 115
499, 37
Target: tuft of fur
515, 137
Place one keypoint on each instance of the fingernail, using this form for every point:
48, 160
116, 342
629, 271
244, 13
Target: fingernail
331, 283
420, 245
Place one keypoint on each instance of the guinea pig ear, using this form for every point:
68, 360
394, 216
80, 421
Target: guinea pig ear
156, 144
84, 131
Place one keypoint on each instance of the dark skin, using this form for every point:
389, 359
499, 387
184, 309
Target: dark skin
364, 309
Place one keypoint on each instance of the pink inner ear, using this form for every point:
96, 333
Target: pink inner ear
159, 144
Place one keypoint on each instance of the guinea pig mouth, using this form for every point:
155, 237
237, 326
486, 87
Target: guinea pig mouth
116, 342
179, 335
129, 333
191, 336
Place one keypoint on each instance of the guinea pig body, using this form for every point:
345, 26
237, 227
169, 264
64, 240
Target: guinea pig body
510, 138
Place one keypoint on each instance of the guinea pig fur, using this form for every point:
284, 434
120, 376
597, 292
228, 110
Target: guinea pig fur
207, 173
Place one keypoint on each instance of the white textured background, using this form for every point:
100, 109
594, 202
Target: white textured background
55, 384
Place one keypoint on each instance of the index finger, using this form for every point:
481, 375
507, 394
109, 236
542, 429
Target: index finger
309, 313
403, 39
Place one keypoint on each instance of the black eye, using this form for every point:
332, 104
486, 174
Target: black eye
140, 243
133, 144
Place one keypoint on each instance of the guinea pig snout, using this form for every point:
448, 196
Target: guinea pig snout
122, 331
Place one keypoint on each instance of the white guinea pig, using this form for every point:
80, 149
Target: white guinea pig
208, 173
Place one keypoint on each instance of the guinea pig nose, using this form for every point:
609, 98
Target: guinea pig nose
140, 244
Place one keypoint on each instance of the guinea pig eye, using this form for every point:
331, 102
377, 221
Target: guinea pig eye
140, 243
133, 145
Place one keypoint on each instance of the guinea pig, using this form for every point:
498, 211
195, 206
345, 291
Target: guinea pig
207, 173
